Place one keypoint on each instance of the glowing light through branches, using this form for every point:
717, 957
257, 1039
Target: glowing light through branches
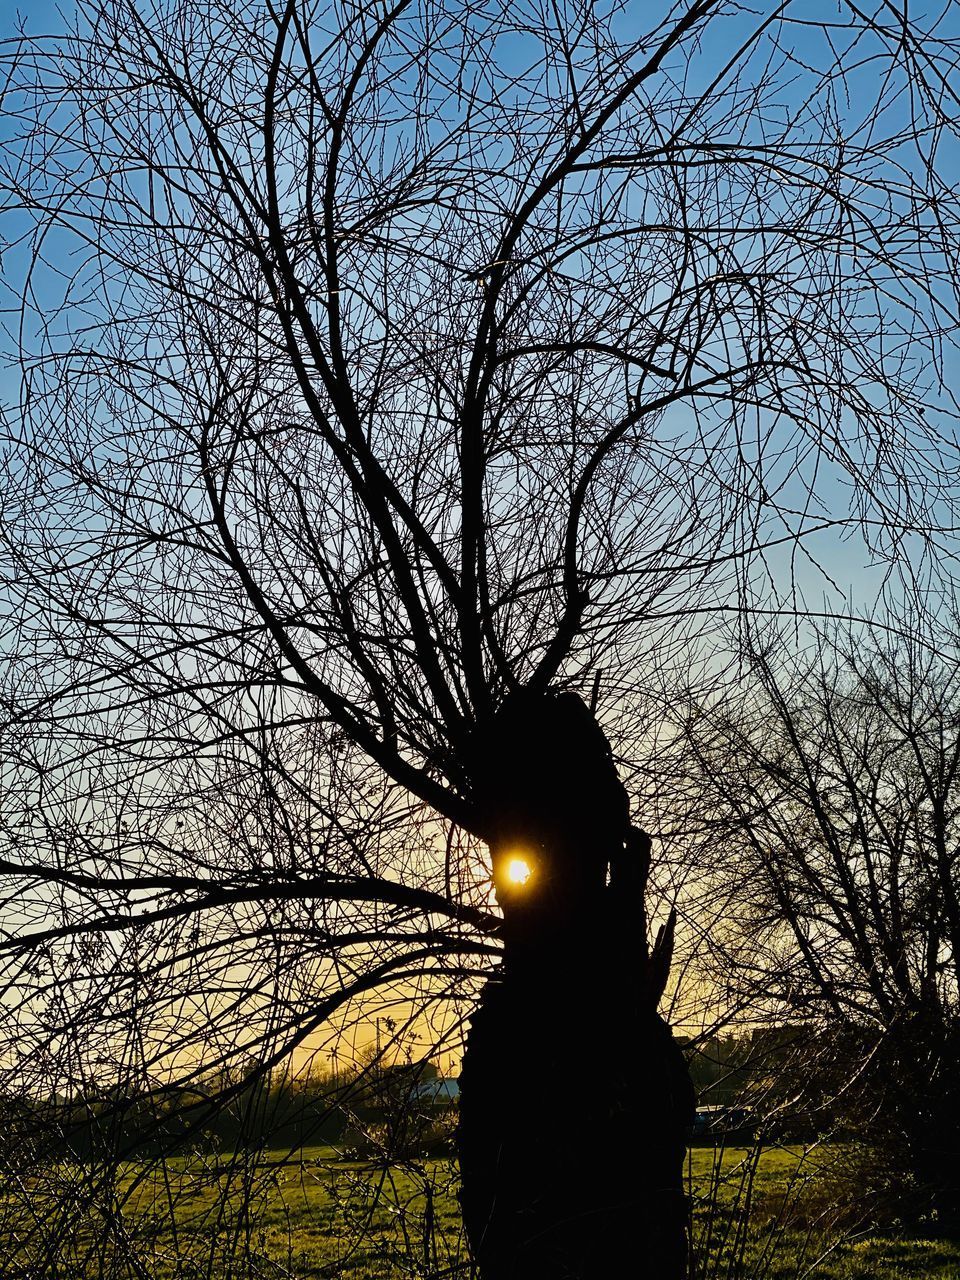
518, 871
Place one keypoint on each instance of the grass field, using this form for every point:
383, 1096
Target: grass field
779, 1215
786, 1213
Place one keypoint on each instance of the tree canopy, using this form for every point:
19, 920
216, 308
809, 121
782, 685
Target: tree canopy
375, 361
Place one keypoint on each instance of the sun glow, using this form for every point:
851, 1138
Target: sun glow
518, 871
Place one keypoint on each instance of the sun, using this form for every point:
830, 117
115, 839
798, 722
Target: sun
518, 871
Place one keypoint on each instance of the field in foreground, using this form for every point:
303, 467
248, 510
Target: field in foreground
781, 1214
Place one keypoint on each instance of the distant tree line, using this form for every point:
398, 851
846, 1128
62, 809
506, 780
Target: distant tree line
363, 1109
373, 1107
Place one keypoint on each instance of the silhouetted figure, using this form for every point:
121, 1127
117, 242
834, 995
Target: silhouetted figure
575, 1100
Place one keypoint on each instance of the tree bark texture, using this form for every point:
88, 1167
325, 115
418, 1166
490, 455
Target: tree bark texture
575, 1099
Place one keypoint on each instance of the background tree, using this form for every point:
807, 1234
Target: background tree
833, 789
377, 362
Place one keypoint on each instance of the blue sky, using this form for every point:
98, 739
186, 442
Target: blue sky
847, 561
39, 16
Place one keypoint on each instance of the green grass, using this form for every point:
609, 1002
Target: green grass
306, 1215
787, 1213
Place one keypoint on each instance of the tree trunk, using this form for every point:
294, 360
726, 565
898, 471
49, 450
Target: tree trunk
575, 1100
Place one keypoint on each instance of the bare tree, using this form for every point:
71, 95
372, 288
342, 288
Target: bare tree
386, 366
834, 782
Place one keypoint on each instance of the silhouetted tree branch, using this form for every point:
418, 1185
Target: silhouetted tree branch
378, 363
